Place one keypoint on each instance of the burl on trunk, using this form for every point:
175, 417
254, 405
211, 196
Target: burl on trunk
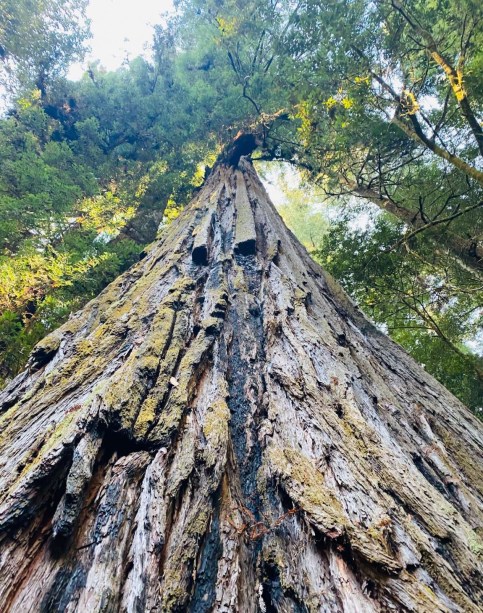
222, 430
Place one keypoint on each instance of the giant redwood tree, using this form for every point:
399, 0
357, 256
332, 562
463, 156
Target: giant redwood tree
222, 430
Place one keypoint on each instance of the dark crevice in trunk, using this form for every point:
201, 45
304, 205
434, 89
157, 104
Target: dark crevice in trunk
275, 596
204, 594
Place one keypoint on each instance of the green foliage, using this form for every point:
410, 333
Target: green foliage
40, 178
39, 39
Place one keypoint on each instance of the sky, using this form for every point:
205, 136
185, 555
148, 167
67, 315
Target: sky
120, 27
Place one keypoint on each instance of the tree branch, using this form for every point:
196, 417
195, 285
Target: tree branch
454, 75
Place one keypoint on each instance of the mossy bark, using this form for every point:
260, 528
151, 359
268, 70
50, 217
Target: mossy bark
222, 430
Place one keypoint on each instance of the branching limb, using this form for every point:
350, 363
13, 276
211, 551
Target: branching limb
453, 74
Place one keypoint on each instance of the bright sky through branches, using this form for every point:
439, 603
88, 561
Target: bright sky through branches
120, 28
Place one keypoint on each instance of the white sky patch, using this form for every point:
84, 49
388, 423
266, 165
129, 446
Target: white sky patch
476, 344
274, 191
274, 174
120, 29
272, 177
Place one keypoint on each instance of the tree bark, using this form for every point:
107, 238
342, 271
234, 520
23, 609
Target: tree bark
222, 430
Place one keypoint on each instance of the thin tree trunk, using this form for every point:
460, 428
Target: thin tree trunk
417, 135
142, 228
222, 430
467, 252
454, 75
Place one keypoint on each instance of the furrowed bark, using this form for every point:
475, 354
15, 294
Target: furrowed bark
222, 430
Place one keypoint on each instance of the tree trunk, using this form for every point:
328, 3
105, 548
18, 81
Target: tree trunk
467, 252
222, 430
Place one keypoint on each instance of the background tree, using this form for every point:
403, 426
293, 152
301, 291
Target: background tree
38, 41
